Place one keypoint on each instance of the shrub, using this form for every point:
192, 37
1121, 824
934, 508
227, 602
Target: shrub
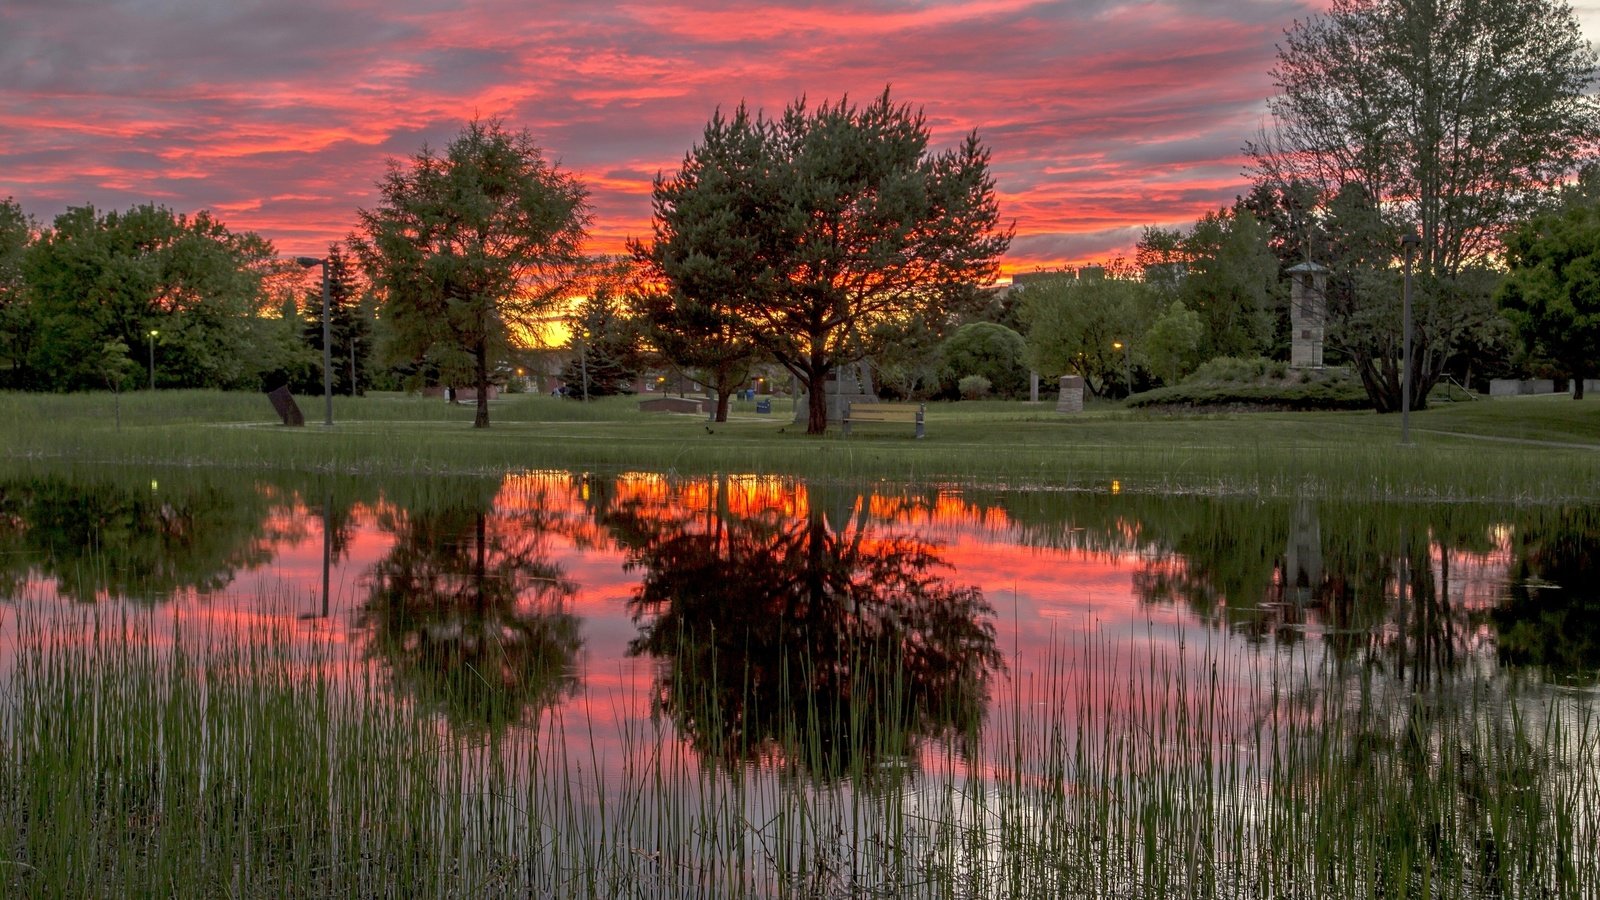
1260, 382
988, 349
975, 387
1333, 394
1234, 370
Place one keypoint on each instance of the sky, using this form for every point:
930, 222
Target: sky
1103, 117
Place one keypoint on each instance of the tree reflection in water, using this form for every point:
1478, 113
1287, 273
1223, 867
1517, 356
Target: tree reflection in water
784, 638
1373, 580
124, 534
470, 615
1471, 773
1550, 619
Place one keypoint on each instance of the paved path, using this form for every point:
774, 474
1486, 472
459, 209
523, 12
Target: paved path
1528, 442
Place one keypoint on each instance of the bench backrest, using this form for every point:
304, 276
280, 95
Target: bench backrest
885, 412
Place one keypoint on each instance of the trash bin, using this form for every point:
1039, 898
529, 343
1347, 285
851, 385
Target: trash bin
764, 407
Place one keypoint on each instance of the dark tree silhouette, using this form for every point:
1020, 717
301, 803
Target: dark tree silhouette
809, 233
469, 615
786, 638
109, 537
1550, 619
349, 329
469, 247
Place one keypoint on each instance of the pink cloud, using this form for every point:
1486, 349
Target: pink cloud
1103, 116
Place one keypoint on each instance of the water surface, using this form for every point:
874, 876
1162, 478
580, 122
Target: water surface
601, 597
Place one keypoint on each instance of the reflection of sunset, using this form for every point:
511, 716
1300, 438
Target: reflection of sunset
1051, 575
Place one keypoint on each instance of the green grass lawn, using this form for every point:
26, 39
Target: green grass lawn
1524, 449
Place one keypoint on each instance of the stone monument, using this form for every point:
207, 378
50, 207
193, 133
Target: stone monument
1308, 314
849, 383
1071, 397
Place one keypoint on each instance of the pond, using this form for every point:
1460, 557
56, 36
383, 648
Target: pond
643, 683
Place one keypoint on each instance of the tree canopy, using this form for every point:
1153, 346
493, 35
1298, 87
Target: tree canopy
1087, 326
1223, 270
706, 264
810, 230
1553, 293
990, 350
95, 279
16, 232
470, 249
1449, 117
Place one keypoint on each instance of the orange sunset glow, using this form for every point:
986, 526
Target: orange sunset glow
1103, 116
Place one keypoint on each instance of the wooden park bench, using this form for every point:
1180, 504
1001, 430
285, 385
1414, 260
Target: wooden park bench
908, 413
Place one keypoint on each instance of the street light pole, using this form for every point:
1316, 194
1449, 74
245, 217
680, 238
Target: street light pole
1127, 366
1408, 243
153, 334
327, 345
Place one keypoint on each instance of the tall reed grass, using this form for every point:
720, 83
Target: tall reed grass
138, 761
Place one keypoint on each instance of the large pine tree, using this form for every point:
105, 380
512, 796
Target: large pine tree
809, 233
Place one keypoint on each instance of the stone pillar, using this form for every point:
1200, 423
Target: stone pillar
1307, 314
1071, 399
1303, 565
1033, 387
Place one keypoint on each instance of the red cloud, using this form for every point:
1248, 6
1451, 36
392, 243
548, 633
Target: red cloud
1102, 116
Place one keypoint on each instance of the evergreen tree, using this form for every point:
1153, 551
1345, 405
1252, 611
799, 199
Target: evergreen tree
349, 329
605, 350
826, 226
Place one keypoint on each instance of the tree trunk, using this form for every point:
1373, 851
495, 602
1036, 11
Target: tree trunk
1425, 373
817, 405
1379, 381
481, 420
722, 403
816, 366
1380, 375
480, 569
1577, 387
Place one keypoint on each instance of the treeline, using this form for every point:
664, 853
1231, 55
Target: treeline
113, 300
1436, 146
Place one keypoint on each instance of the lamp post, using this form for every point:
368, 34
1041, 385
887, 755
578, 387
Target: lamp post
327, 553
1408, 243
327, 345
153, 334
1127, 367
